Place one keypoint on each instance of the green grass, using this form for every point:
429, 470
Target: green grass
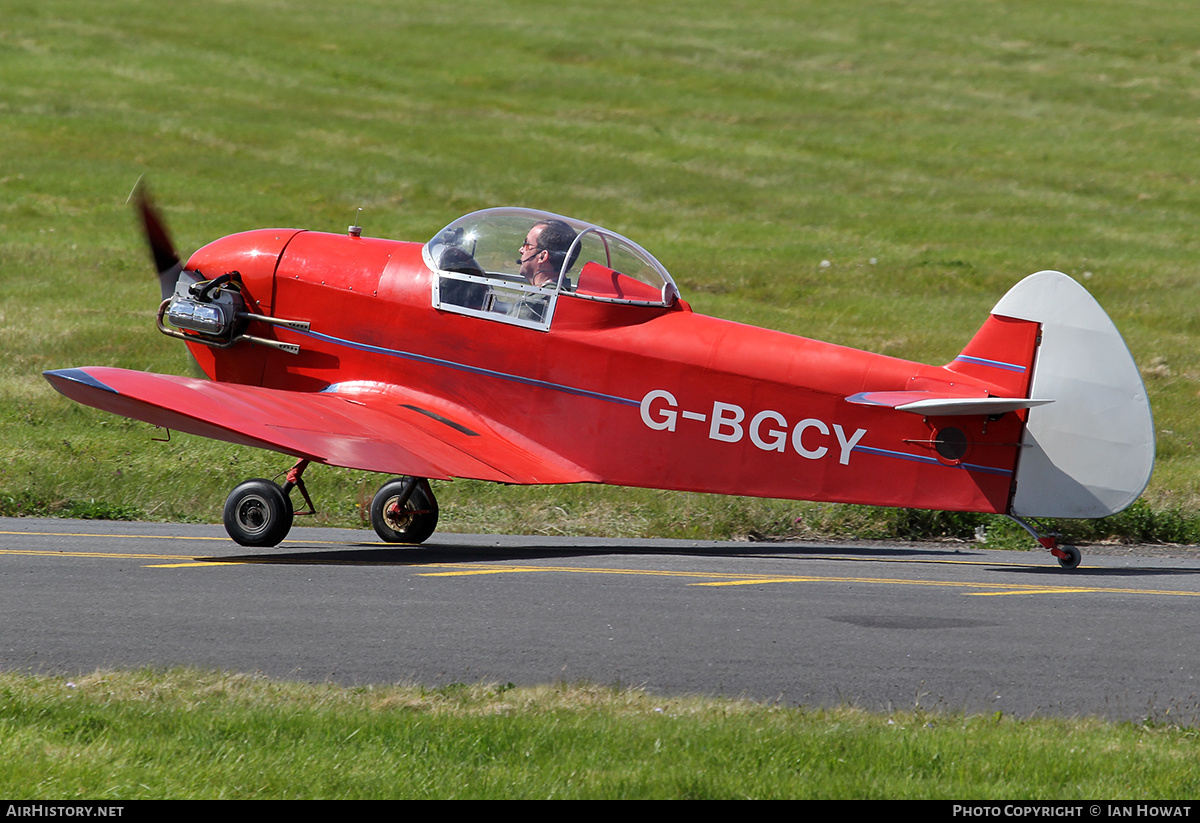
932, 153
187, 734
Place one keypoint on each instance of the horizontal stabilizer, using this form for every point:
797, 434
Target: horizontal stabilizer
932, 404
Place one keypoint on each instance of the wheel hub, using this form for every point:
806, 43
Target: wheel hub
399, 519
252, 514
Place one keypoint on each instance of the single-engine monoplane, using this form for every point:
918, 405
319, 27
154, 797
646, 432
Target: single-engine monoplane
524, 347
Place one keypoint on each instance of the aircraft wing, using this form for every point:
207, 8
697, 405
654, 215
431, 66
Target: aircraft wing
375, 428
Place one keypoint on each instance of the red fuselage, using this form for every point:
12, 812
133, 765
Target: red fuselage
633, 395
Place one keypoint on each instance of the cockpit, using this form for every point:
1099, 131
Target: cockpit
513, 265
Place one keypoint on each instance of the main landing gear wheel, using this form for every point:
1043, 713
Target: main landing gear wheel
258, 513
410, 521
1071, 557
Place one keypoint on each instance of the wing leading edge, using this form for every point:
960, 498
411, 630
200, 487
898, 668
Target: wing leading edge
377, 430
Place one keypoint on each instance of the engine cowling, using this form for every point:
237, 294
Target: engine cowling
226, 287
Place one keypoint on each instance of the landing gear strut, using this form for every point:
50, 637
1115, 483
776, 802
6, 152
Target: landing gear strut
1068, 556
404, 511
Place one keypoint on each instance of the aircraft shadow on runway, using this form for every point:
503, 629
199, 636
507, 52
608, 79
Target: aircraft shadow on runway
375, 554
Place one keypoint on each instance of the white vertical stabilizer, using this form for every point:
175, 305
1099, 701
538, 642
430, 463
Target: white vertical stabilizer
1090, 452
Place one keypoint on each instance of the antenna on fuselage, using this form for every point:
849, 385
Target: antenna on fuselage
356, 230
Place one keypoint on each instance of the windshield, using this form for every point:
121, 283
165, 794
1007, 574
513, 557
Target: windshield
538, 249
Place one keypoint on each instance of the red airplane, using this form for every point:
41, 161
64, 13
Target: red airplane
524, 347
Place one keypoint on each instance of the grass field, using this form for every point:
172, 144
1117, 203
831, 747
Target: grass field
875, 174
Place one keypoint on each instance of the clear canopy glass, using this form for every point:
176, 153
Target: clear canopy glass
588, 261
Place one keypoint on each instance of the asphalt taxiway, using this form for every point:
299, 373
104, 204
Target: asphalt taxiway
878, 626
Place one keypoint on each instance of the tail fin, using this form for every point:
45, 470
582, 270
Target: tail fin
1090, 453
1000, 356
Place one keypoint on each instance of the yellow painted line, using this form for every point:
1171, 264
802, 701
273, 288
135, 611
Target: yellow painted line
117, 555
1007, 588
125, 556
1070, 590
755, 581
173, 537
1056, 591
366, 543
497, 569
729, 579
120, 536
893, 581
745, 580
471, 572
714, 579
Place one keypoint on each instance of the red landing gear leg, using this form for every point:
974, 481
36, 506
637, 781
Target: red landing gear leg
404, 511
1068, 556
295, 480
259, 512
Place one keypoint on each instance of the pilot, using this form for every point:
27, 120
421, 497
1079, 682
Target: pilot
542, 254
541, 260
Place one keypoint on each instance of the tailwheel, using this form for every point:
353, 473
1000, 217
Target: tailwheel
258, 513
1068, 556
404, 511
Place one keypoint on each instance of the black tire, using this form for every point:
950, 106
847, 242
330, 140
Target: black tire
415, 523
258, 513
1073, 556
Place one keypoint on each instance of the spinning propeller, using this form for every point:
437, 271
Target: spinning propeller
166, 260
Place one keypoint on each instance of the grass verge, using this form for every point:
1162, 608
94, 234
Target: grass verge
193, 734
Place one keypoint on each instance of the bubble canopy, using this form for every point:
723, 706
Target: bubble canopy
582, 259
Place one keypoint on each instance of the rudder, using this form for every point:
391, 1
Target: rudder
1090, 453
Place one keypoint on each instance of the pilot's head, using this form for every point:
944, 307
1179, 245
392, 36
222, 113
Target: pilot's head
545, 247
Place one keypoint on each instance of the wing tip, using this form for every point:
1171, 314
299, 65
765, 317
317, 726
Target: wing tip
76, 375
